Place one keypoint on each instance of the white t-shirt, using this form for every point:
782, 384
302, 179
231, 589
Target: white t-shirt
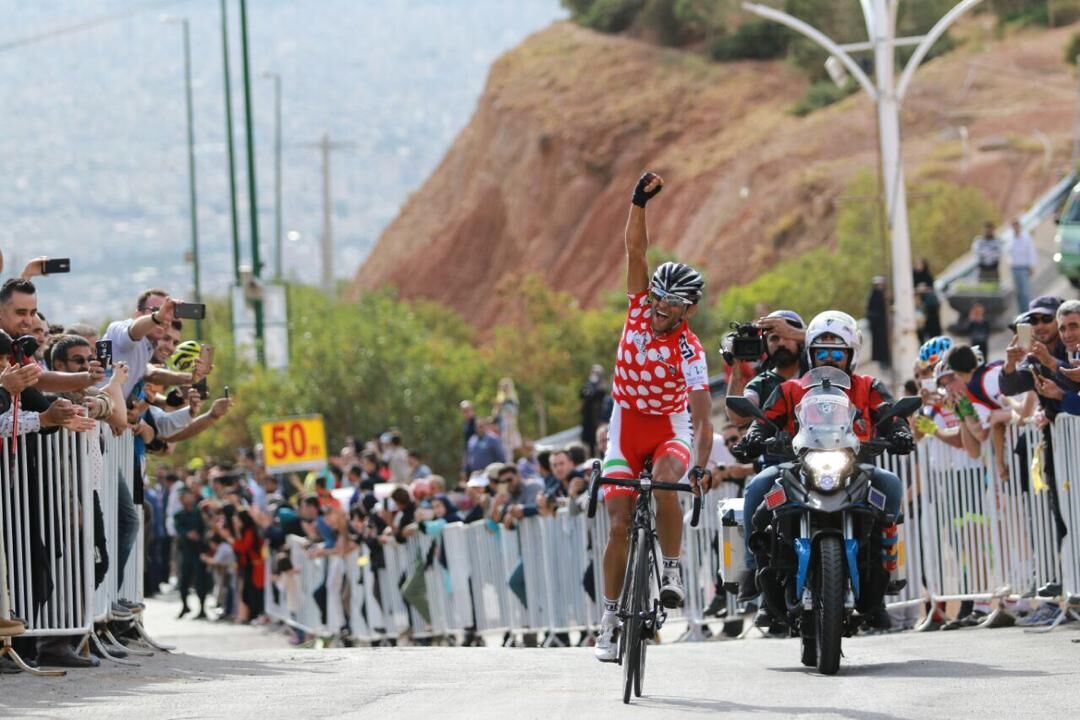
991, 386
136, 353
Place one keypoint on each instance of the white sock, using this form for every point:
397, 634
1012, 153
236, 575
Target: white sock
671, 566
610, 616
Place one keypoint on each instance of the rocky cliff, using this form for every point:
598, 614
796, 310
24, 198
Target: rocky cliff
539, 181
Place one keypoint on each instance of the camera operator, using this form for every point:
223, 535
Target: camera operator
784, 334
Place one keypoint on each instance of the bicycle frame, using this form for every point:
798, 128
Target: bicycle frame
638, 609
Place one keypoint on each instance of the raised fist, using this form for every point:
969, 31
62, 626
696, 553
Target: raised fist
648, 186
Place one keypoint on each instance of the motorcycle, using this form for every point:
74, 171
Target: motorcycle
816, 537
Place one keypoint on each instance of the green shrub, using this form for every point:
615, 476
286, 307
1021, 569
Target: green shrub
823, 94
753, 40
1072, 49
611, 16
944, 218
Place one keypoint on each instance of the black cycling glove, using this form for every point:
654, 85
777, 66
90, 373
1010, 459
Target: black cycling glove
640, 195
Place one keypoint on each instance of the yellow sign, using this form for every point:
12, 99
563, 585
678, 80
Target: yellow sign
294, 444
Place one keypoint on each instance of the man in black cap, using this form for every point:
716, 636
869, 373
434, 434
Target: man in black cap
1045, 358
1046, 354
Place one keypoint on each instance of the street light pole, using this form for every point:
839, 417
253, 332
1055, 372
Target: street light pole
193, 198
253, 200
229, 143
276, 77
880, 17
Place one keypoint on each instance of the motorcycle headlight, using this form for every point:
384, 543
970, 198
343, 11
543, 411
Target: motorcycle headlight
827, 470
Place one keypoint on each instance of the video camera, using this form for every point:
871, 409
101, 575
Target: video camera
743, 343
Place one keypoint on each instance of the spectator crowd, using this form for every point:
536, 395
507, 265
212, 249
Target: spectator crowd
217, 529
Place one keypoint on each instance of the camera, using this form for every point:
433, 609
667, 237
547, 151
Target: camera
23, 348
743, 343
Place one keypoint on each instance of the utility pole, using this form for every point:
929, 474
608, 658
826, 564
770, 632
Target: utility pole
888, 94
325, 146
253, 199
229, 142
193, 199
276, 77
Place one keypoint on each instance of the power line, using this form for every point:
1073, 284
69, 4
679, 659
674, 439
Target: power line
85, 25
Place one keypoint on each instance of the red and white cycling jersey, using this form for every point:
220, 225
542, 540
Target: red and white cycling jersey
653, 375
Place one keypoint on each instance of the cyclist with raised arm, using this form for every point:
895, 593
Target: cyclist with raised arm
660, 390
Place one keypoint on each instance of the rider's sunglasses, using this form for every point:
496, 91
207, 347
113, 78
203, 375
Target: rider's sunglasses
824, 355
731, 439
673, 300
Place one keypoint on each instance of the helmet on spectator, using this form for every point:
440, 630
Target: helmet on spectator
678, 279
844, 332
183, 359
933, 350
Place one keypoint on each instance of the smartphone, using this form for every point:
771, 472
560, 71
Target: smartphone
105, 356
190, 311
1035, 376
929, 384
1023, 335
1074, 356
226, 392
55, 265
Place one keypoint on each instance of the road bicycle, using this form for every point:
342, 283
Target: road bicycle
640, 610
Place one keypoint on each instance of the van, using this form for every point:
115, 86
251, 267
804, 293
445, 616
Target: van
1067, 239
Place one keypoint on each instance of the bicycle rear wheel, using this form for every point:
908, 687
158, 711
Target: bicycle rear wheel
634, 660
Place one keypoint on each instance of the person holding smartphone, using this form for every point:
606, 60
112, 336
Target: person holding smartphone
1041, 356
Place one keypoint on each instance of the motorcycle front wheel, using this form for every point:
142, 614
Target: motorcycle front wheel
829, 603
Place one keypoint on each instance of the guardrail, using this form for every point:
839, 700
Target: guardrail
1043, 207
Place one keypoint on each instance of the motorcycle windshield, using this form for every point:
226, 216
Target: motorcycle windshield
825, 418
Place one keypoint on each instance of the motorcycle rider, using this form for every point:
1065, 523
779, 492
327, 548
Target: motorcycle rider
833, 339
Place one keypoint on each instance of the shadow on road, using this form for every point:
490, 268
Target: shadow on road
109, 683
922, 669
722, 706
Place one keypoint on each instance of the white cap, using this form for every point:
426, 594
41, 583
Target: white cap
478, 481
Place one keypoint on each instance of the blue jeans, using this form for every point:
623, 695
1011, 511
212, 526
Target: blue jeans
1022, 286
763, 482
127, 529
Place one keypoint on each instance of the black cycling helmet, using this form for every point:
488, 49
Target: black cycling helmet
680, 280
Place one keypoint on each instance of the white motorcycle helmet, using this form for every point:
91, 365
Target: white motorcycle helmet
841, 326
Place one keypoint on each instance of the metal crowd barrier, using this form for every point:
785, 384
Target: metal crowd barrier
972, 531
47, 520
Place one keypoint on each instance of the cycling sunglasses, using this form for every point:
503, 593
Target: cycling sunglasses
1039, 319
824, 354
669, 298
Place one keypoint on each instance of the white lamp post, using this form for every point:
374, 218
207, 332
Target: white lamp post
888, 94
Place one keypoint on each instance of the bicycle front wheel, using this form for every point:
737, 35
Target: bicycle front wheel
634, 660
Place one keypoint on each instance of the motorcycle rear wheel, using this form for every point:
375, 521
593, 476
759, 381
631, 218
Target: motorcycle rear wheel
829, 603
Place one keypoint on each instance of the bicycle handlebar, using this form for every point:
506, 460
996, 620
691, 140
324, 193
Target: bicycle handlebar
596, 481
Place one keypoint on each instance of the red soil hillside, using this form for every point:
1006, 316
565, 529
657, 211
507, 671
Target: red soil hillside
540, 179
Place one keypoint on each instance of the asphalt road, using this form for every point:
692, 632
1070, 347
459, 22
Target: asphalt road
232, 672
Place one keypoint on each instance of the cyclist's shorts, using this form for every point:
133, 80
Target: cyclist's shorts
634, 436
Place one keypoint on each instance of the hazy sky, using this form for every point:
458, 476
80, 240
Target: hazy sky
93, 140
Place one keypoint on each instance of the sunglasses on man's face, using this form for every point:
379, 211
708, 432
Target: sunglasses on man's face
824, 355
731, 440
673, 300
1040, 319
